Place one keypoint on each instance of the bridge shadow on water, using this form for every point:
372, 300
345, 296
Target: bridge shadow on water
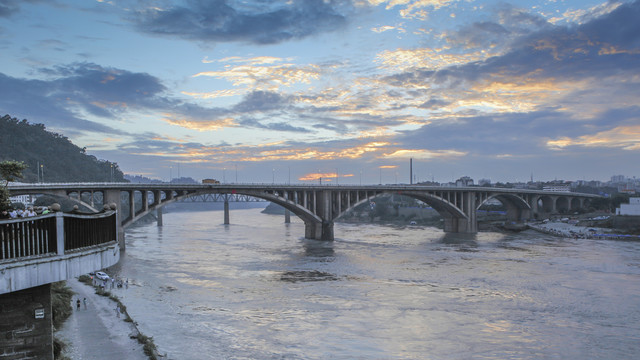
461, 241
319, 249
315, 251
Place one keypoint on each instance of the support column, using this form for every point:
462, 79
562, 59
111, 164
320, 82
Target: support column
113, 197
287, 216
226, 209
132, 204
159, 215
312, 230
145, 200
469, 206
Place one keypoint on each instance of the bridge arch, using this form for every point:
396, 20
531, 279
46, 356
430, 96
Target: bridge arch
562, 204
546, 203
311, 220
518, 208
575, 203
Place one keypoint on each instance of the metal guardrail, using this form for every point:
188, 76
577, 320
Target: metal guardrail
39, 235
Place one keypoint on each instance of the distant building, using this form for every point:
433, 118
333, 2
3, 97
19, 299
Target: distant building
484, 182
464, 181
520, 185
627, 189
632, 208
618, 179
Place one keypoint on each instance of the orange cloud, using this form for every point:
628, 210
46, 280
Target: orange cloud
317, 176
425, 154
208, 125
624, 137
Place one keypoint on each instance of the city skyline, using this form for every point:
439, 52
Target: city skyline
282, 91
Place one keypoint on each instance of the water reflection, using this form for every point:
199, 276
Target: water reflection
305, 276
463, 242
319, 249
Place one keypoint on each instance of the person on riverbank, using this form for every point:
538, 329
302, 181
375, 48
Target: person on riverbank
78, 304
84, 301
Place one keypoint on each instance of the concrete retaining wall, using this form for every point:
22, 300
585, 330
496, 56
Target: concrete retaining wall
40, 270
25, 326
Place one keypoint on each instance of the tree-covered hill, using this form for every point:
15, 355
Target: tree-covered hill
61, 160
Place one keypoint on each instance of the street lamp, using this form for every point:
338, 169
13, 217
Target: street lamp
111, 172
42, 171
273, 176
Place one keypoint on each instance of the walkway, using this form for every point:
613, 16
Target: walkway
96, 333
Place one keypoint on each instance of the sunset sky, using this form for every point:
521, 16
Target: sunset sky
279, 91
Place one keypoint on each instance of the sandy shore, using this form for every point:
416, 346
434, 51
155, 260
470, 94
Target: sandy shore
96, 332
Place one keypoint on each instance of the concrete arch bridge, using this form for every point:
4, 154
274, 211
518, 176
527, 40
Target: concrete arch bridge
318, 206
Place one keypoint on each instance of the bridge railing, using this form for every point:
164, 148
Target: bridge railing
28, 237
39, 235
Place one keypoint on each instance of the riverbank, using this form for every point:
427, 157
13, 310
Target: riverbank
574, 231
95, 331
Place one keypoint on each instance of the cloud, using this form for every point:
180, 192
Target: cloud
255, 22
264, 73
200, 125
10, 7
38, 100
413, 8
554, 66
623, 137
261, 101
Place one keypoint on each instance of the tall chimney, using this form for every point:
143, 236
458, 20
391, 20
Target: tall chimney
411, 171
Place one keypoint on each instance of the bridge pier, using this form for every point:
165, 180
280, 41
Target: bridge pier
159, 215
226, 209
287, 216
319, 231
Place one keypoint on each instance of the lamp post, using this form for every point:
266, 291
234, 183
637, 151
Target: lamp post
111, 172
42, 171
224, 176
273, 176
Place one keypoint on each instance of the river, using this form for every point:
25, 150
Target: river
256, 289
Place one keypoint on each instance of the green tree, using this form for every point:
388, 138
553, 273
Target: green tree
51, 157
9, 171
